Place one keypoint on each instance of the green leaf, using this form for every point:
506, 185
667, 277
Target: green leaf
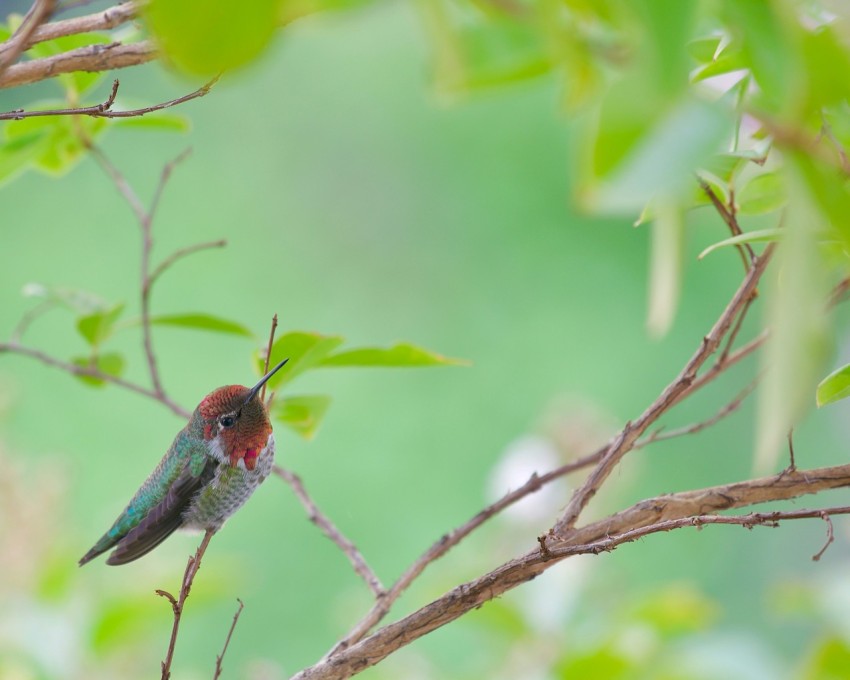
206, 41
303, 414
665, 269
205, 322
755, 236
98, 326
109, 363
767, 50
304, 351
830, 660
19, 153
61, 147
704, 50
402, 354
633, 165
834, 387
764, 193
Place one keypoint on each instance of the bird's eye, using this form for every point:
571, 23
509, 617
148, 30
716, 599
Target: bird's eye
226, 421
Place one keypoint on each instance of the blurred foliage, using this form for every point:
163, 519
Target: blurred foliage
748, 98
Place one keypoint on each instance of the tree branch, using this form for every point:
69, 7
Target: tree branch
664, 512
329, 529
92, 58
73, 369
673, 393
220, 657
98, 21
103, 110
15, 46
177, 603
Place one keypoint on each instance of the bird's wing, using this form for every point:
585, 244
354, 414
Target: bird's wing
159, 501
164, 518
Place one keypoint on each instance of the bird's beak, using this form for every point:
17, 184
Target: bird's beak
256, 388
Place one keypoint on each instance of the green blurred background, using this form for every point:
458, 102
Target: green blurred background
356, 201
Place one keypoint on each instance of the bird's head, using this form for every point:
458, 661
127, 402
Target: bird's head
235, 420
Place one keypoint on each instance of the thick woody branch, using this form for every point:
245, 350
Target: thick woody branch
15, 46
98, 21
92, 58
665, 512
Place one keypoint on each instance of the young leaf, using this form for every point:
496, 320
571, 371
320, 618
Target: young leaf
109, 363
19, 153
762, 194
399, 355
661, 157
205, 322
834, 387
756, 236
98, 326
303, 413
304, 351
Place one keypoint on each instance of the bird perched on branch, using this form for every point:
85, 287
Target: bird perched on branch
214, 465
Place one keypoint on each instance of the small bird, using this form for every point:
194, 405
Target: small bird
214, 465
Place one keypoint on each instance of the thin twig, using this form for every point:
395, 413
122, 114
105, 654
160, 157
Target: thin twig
731, 220
793, 464
446, 542
268, 355
15, 46
178, 603
731, 407
329, 529
145, 219
181, 253
73, 369
220, 657
830, 536
92, 58
103, 110
671, 395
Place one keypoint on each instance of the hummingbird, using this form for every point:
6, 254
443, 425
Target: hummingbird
213, 466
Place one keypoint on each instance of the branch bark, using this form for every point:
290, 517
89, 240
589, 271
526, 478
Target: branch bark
663, 513
93, 58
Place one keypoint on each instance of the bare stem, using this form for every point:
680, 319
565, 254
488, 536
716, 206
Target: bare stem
329, 529
268, 354
220, 657
104, 109
178, 603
